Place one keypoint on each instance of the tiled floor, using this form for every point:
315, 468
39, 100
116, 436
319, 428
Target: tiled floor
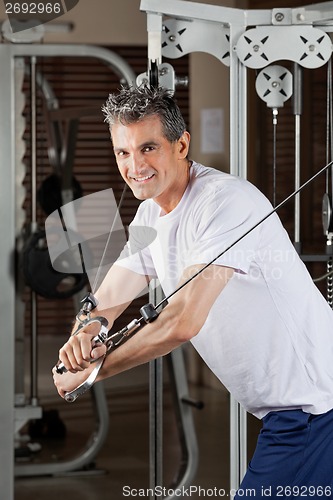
122, 464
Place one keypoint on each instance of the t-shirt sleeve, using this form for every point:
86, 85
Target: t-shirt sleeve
136, 254
220, 220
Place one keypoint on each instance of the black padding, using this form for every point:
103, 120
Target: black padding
40, 276
49, 193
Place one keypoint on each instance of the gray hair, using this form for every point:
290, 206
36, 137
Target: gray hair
130, 105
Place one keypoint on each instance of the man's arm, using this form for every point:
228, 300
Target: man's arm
119, 288
179, 321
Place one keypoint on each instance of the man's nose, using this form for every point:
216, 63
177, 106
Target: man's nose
137, 163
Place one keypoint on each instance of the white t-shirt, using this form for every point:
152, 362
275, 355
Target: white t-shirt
269, 335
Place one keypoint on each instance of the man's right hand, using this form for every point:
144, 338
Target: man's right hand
77, 353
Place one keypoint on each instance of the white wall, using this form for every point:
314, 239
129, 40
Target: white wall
117, 22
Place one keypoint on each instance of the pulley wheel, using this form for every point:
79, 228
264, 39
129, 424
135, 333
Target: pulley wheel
327, 213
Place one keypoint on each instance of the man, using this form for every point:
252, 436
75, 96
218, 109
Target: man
254, 315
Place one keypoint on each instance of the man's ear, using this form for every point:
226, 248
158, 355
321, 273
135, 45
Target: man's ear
183, 145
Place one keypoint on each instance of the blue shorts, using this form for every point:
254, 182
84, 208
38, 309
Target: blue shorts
293, 458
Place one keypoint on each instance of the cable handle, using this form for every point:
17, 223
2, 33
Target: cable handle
149, 314
71, 396
98, 340
111, 341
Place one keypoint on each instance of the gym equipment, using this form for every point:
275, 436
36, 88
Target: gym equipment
57, 189
49, 193
328, 196
41, 276
274, 86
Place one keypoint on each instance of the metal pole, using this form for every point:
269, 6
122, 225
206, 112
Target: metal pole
234, 444
155, 413
156, 424
33, 149
7, 252
238, 166
297, 93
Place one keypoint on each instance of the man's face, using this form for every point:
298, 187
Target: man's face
152, 166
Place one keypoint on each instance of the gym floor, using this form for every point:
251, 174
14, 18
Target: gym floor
121, 468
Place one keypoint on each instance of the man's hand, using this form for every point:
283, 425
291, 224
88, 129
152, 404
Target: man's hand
77, 353
67, 382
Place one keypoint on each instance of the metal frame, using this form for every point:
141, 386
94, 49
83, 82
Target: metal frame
183, 412
155, 408
84, 457
185, 423
184, 415
304, 25
7, 297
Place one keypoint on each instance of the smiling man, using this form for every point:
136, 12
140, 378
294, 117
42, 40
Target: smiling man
156, 168
254, 316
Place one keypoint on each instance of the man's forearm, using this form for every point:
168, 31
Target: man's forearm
175, 325
114, 295
152, 341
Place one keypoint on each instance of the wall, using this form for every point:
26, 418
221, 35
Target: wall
101, 22
209, 89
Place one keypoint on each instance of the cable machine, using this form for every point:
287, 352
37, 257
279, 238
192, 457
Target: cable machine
242, 40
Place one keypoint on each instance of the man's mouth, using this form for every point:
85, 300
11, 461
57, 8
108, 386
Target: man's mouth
143, 178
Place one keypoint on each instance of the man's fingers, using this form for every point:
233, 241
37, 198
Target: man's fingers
61, 392
97, 352
75, 354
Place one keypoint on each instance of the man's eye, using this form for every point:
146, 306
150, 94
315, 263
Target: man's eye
148, 148
121, 153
